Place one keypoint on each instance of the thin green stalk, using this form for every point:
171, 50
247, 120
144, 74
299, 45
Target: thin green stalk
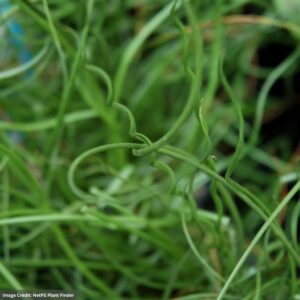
54, 139
97, 282
258, 236
194, 91
9, 277
262, 97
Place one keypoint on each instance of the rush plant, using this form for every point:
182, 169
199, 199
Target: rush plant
149, 149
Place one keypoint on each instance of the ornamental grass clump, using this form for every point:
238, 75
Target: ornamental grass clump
149, 149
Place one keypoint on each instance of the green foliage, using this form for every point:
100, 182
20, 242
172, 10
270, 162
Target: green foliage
144, 167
